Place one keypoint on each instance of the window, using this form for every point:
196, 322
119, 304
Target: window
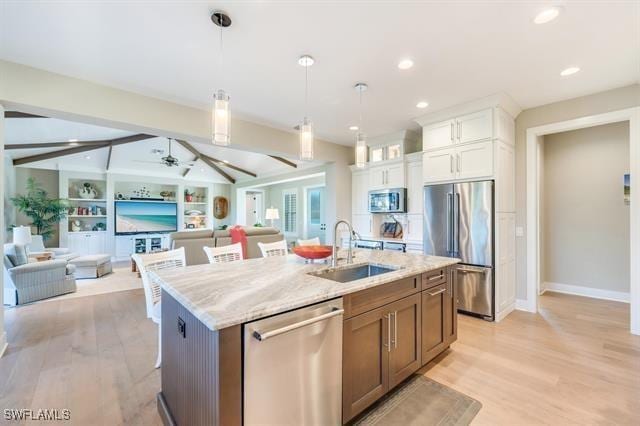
290, 209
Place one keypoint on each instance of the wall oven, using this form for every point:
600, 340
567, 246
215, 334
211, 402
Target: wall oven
388, 201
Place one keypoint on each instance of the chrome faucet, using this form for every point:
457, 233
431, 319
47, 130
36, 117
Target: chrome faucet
334, 257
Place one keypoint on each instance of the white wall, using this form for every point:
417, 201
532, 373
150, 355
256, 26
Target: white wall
3, 334
49, 180
612, 100
585, 222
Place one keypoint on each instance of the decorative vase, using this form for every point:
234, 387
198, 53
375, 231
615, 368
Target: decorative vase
188, 198
87, 192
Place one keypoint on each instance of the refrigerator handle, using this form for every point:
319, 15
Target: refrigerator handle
456, 223
449, 218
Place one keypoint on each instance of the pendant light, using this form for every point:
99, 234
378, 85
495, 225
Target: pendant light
221, 115
306, 127
361, 139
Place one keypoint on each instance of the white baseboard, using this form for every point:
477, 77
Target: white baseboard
503, 313
594, 293
523, 305
3, 343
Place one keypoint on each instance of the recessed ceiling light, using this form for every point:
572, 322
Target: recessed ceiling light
569, 71
225, 161
353, 127
547, 15
422, 104
88, 157
72, 140
305, 61
405, 64
202, 170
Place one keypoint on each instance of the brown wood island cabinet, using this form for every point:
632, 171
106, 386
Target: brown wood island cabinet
392, 330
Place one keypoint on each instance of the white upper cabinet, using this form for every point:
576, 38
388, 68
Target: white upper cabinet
474, 160
360, 192
412, 232
387, 176
438, 166
474, 127
439, 135
414, 187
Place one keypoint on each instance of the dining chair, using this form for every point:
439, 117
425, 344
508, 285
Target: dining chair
279, 248
152, 291
224, 254
310, 242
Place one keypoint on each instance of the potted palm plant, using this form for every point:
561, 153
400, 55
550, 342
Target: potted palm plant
43, 211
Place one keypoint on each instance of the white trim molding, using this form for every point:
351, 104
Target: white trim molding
534, 134
594, 293
522, 305
3, 343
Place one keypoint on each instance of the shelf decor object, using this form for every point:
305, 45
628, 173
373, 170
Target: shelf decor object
221, 117
87, 191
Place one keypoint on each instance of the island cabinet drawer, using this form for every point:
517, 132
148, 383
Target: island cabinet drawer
434, 278
371, 298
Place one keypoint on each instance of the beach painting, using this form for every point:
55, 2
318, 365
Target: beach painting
627, 189
134, 217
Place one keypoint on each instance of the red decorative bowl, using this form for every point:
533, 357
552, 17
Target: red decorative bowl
313, 252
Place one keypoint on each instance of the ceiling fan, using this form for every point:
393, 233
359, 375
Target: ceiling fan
169, 160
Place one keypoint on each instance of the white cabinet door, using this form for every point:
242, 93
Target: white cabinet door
414, 187
412, 232
124, 246
474, 160
395, 176
437, 166
438, 135
76, 243
474, 127
363, 224
377, 177
360, 192
506, 259
86, 243
505, 177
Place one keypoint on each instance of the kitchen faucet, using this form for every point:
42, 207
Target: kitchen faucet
334, 257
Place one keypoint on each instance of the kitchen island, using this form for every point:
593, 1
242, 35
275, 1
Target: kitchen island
396, 317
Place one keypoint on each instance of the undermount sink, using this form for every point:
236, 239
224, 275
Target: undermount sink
345, 275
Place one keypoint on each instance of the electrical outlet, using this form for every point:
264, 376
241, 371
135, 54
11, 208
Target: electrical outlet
182, 328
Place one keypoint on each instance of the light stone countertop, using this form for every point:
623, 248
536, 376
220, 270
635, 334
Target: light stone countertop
223, 295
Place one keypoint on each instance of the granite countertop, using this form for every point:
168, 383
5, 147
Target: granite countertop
223, 295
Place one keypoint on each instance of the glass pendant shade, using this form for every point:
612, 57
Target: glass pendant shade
306, 140
221, 119
361, 150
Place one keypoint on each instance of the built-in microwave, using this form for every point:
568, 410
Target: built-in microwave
388, 201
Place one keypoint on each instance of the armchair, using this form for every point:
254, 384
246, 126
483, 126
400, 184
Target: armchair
27, 282
37, 246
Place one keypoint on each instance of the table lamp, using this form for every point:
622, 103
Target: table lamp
22, 235
271, 214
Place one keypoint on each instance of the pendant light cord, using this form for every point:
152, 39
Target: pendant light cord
360, 107
306, 91
220, 61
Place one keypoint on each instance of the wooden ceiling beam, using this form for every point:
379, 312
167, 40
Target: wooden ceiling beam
109, 157
53, 144
205, 160
82, 148
231, 166
18, 114
285, 161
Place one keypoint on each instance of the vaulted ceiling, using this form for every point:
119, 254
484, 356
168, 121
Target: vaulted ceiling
461, 50
141, 157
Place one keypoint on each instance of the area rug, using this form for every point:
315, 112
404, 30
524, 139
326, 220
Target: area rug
421, 401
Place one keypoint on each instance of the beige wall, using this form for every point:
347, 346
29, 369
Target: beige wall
585, 220
3, 334
49, 179
273, 197
612, 100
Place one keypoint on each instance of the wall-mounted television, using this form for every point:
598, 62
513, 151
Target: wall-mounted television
137, 217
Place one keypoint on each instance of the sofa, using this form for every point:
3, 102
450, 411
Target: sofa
194, 241
26, 282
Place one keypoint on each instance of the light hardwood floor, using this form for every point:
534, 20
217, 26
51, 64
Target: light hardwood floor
574, 363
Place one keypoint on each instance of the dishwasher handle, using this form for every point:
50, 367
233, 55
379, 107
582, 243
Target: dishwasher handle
260, 336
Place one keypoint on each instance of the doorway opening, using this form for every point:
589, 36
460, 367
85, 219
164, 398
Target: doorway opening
535, 239
314, 206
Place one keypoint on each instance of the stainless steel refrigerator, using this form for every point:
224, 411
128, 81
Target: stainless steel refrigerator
458, 222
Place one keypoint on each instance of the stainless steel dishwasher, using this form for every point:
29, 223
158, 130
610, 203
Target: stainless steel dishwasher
293, 367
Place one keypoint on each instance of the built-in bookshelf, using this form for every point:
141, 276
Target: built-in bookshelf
87, 205
196, 207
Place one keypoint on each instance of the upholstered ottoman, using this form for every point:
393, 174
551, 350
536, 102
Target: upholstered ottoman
92, 266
